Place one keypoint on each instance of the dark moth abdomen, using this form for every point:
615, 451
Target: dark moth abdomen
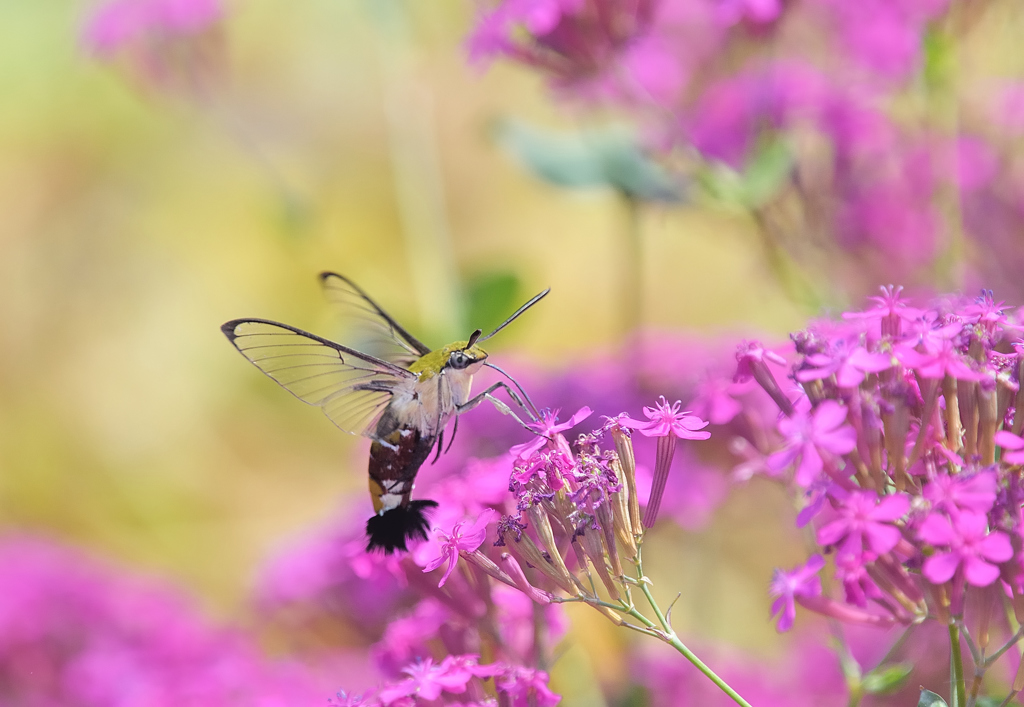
394, 461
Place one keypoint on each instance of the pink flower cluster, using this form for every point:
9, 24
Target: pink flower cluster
74, 631
172, 45
120, 24
808, 98
457, 680
898, 436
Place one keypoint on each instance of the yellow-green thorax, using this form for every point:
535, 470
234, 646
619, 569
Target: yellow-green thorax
431, 364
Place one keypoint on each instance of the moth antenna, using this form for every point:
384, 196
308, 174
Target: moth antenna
474, 337
511, 319
532, 409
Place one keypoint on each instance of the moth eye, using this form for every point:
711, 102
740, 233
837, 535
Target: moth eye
458, 360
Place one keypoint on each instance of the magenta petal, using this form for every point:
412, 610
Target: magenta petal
786, 609
833, 532
814, 564
940, 568
436, 562
872, 362
891, 508
580, 415
978, 572
1008, 440
996, 547
936, 530
829, 415
429, 690
630, 423
841, 441
526, 449
849, 376
395, 692
723, 409
453, 559
781, 459
692, 422
474, 537
686, 434
882, 538
911, 358
810, 466
813, 374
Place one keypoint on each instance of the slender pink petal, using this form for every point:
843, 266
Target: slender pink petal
810, 466
579, 416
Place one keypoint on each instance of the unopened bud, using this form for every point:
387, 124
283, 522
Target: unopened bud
624, 450
516, 573
591, 543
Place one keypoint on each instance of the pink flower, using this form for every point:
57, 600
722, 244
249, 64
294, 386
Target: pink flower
850, 366
426, 681
668, 424
122, 23
752, 362
1013, 443
460, 539
787, 587
937, 363
889, 309
964, 493
526, 687
547, 428
970, 544
864, 519
806, 433
716, 399
664, 420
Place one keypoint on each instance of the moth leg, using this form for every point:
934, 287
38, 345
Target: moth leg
499, 405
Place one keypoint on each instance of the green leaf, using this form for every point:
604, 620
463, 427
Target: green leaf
608, 157
766, 173
939, 58
886, 678
491, 296
930, 699
988, 702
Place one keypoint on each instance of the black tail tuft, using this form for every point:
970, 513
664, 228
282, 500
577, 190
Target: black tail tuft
391, 529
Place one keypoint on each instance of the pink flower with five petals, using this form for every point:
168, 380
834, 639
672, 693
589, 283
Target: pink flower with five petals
808, 432
460, 539
970, 545
865, 520
548, 428
787, 587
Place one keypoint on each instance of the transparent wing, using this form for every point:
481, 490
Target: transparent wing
375, 329
352, 388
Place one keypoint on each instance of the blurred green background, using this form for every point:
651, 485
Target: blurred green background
338, 135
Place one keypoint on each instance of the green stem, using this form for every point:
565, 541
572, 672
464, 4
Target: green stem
958, 665
668, 635
1009, 644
